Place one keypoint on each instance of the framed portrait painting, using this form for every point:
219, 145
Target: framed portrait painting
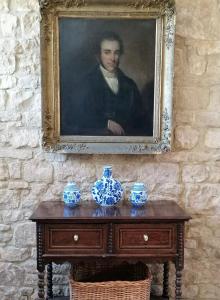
107, 75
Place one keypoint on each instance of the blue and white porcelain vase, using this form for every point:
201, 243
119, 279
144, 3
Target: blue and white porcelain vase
107, 191
138, 196
71, 194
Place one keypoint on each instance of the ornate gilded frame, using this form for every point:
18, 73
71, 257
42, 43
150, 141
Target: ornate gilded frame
164, 13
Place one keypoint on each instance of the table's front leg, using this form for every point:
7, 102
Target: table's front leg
180, 260
40, 263
178, 290
166, 280
49, 280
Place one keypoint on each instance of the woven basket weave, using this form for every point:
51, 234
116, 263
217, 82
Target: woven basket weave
101, 282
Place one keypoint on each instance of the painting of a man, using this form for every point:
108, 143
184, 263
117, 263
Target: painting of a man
109, 102
105, 101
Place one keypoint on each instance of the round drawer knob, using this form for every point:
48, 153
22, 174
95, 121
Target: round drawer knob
146, 238
75, 237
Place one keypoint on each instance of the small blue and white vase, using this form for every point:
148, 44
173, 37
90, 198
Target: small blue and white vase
71, 194
138, 196
107, 191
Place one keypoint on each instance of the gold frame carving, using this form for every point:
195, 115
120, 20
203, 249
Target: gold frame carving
164, 13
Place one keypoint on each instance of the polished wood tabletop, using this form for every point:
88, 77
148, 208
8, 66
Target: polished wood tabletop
88, 210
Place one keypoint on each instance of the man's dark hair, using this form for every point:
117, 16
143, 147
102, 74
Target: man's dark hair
109, 36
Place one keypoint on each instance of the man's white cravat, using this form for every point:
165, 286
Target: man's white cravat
111, 79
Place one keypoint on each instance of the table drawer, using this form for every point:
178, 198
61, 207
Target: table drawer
145, 238
76, 238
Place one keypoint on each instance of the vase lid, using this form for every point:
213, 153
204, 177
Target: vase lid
138, 186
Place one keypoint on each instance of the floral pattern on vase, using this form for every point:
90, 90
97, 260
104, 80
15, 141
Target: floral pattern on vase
107, 191
138, 196
71, 194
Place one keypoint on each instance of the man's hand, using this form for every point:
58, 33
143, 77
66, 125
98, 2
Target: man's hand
115, 128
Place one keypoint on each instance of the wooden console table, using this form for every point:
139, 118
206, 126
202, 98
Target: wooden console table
153, 234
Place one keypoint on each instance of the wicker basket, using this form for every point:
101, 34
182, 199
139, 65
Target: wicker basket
101, 282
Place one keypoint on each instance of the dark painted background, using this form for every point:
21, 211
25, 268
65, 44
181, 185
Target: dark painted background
77, 56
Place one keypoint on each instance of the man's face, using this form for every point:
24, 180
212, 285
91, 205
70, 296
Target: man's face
110, 54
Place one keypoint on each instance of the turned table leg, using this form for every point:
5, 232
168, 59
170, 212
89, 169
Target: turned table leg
166, 280
49, 281
40, 263
179, 260
178, 289
40, 285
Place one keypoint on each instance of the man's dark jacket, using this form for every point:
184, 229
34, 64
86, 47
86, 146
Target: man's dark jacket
93, 103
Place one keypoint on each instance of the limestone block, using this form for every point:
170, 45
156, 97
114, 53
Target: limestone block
55, 157
28, 64
32, 118
7, 64
11, 216
214, 104
186, 137
209, 291
30, 25
191, 243
12, 254
8, 25
20, 99
76, 170
207, 119
38, 189
126, 175
14, 168
6, 237
197, 20
7, 152
214, 173
16, 185
212, 138
6, 116
190, 291
4, 227
28, 82
205, 47
11, 273
26, 291
25, 235
166, 191
38, 171
9, 199
34, 253
28, 45
180, 58
30, 279
195, 173
7, 82
196, 64
159, 173
184, 117
191, 98
24, 5
3, 99
189, 80
213, 222
197, 228
203, 198
213, 66
210, 242
4, 5
4, 174
25, 137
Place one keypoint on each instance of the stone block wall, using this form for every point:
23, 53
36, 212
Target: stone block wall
190, 174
